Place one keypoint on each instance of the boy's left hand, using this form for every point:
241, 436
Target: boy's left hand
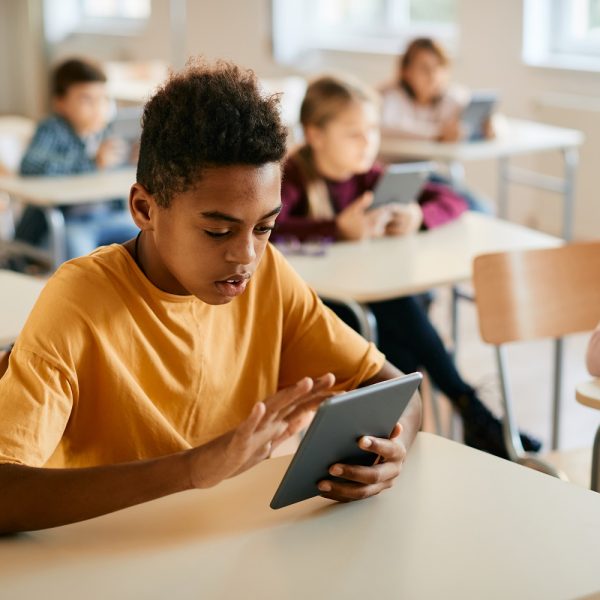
363, 482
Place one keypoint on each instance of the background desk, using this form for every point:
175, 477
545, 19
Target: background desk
18, 294
356, 273
48, 193
458, 524
517, 137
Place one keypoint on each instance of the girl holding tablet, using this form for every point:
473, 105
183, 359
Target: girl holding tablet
326, 192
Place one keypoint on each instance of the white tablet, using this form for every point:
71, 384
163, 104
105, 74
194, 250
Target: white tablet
401, 183
333, 435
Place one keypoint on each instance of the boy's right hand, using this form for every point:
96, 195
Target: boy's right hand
271, 422
355, 222
112, 152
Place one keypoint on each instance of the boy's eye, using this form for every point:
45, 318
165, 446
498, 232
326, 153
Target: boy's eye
216, 234
264, 229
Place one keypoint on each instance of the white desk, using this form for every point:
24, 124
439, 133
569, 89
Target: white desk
458, 524
48, 193
18, 294
356, 273
588, 394
517, 137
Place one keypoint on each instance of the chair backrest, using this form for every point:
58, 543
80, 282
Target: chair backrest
15, 134
535, 294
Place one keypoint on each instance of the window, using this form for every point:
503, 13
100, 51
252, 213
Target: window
562, 33
112, 17
358, 25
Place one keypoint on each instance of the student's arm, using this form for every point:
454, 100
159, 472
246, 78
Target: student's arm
36, 498
593, 353
363, 482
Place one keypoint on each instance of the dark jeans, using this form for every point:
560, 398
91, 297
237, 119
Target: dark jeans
410, 341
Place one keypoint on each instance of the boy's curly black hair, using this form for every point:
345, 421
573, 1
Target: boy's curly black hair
206, 116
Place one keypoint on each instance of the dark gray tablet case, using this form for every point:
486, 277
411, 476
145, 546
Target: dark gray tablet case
334, 432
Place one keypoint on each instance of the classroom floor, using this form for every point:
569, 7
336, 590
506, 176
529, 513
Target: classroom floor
530, 372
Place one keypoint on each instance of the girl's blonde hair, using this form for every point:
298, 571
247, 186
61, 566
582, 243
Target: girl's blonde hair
325, 98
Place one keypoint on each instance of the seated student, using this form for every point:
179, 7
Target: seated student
71, 141
326, 192
422, 104
183, 357
593, 353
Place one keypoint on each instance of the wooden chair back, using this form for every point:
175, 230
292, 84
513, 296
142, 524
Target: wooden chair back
535, 294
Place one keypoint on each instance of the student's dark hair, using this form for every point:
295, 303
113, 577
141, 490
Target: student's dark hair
203, 117
422, 44
74, 71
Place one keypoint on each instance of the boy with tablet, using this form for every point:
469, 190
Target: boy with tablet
182, 357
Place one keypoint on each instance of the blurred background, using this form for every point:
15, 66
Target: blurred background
543, 56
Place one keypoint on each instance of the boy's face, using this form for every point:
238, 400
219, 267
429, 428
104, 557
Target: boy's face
85, 106
210, 239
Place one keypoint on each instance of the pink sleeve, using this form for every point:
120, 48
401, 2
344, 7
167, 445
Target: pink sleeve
440, 204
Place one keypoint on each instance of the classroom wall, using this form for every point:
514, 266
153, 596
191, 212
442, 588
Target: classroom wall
489, 56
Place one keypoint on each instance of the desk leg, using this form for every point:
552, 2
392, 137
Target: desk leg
571, 158
457, 172
503, 179
57, 235
596, 462
558, 362
367, 323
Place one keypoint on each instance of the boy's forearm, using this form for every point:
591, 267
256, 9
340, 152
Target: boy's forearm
38, 498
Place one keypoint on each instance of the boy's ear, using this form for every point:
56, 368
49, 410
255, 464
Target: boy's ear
142, 206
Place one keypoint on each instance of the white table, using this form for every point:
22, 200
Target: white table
355, 273
458, 524
48, 193
18, 294
588, 394
517, 137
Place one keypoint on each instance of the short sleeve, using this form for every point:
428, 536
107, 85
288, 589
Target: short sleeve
35, 403
316, 341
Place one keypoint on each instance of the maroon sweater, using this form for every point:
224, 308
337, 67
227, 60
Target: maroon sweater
438, 202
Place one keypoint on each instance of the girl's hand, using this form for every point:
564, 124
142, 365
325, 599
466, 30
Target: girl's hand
356, 222
270, 423
405, 219
451, 131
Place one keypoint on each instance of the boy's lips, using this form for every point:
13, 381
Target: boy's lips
234, 285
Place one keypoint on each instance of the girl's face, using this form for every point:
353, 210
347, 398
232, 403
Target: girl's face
348, 144
426, 75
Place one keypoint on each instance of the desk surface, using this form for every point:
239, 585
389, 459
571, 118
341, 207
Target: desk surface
17, 297
387, 268
588, 393
72, 189
457, 524
517, 137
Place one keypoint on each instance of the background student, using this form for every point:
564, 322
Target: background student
74, 140
422, 103
326, 192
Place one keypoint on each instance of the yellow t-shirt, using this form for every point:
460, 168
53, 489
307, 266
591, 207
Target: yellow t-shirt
109, 369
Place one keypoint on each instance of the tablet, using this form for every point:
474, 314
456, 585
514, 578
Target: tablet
333, 435
401, 183
127, 124
476, 113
